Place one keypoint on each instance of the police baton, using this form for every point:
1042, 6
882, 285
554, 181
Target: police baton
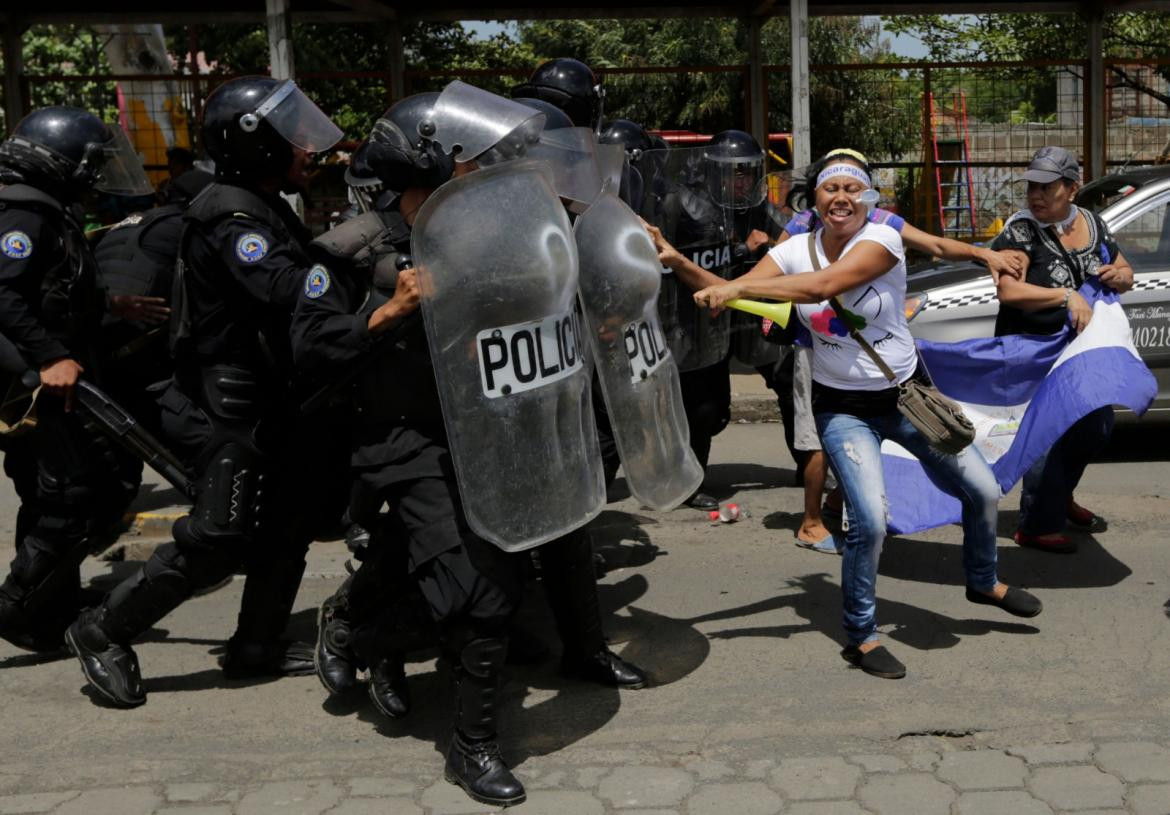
116, 422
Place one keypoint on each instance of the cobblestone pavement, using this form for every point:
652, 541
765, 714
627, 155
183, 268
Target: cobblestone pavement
751, 710
920, 775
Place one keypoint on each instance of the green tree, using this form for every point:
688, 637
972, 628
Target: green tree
68, 51
1131, 35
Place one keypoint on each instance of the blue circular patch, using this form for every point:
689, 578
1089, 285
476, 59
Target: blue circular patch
317, 282
251, 248
16, 245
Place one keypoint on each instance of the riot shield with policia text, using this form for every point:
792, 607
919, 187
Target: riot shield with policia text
620, 276
678, 200
497, 268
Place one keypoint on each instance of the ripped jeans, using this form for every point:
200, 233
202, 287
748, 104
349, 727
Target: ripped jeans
853, 445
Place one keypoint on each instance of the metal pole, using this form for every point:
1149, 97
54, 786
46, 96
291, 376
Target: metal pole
758, 92
1095, 99
13, 68
801, 120
397, 62
280, 46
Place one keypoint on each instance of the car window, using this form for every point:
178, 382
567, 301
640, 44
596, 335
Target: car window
1144, 236
1101, 194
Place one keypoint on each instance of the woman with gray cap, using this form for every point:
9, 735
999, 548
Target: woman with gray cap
1060, 244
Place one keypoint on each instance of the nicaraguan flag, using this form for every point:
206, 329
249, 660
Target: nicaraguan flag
1022, 393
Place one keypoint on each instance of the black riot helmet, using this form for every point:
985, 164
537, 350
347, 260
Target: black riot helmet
397, 154
630, 135
570, 85
735, 170
69, 150
554, 117
252, 124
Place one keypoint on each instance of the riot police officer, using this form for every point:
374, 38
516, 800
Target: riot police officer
570, 85
50, 309
242, 266
712, 200
470, 587
635, 142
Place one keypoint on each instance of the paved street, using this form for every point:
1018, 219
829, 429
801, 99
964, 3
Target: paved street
751, 712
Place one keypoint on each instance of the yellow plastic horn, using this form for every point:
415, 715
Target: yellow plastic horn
776, 312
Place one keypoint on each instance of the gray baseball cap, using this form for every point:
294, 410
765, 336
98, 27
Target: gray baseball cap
1051, 163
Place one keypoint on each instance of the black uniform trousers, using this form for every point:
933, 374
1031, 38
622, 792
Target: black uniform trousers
62, 473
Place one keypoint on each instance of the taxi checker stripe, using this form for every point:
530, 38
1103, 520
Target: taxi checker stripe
959, 300
1141, 284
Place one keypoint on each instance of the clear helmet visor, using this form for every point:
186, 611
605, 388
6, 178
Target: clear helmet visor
473, 124
296, 118
737, 182
571, 153
120, 170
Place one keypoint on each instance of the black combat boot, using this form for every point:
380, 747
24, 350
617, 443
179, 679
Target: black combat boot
473, 756
257, 648
101, 636
570, 584
389, 690
333, 657
605, 668
109, 667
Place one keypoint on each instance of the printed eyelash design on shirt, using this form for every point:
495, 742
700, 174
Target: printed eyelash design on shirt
886, 338
827, 344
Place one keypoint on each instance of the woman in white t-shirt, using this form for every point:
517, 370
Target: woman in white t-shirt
854, 404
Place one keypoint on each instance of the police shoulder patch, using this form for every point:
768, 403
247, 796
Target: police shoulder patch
251, 247
16, 245
316, 282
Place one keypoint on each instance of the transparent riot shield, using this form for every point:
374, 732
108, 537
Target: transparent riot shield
472, 123
678, 198
571, 153
620, 276
498, 271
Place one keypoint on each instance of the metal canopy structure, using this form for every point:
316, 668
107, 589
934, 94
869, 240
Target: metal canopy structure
392, 14
141, 11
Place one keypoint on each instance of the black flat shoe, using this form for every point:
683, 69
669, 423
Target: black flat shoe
1016, 601
878, 661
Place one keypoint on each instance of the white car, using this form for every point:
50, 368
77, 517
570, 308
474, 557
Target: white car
952, 302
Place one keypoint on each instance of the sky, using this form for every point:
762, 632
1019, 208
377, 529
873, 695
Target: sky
902, 44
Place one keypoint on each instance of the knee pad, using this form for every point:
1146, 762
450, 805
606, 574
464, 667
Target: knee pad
230, 494
484, 656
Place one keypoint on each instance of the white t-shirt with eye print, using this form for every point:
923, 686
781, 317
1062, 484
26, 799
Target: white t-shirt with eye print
838, 361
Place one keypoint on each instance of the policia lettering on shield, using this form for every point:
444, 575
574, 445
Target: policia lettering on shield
243, 264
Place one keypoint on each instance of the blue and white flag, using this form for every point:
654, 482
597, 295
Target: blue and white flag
1022, 393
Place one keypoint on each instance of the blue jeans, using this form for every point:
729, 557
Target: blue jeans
1050, 483
853, 445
